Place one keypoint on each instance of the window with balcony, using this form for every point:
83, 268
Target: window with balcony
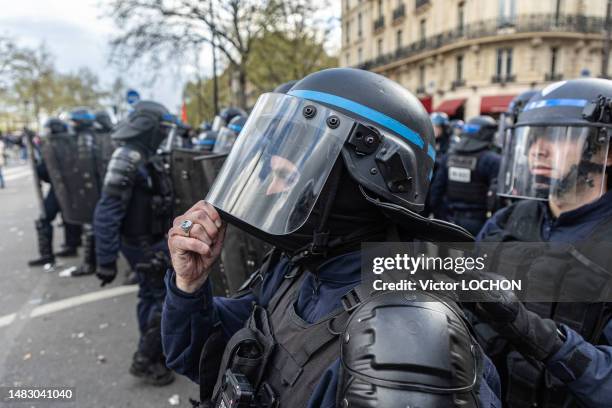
399, 11
421, 87
420, 3
553, 74
359, 25
503, 68
558, 6
461, 18
347, 58
359, 56
379, 47
398, 39
459, 81
422, 30
347, 33
507, 13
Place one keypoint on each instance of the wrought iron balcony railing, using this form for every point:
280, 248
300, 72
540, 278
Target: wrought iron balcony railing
399, 12
379, 23
553, 77
522, 24
457, 83
503, 79
420, 3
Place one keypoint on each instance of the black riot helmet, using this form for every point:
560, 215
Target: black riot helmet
518, 103
103, 121
206, 140
81, 118
477, 134
225, 116
285, 87
147, 125
228, 134
54, 126
558, 148
341, 142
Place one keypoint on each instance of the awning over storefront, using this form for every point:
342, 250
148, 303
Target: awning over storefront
450, 106
495, 104
427, 102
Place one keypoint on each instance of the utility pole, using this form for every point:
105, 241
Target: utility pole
606, 44
214, 61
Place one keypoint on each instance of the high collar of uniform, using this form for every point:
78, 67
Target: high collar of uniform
597, 210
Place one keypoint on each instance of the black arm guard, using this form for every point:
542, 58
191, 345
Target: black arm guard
122, 172
408, 350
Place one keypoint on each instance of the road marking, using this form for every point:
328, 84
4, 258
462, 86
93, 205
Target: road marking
16, 169
8, 319
82, 299
18, 175
67, 303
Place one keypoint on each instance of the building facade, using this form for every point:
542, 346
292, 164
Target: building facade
470, 57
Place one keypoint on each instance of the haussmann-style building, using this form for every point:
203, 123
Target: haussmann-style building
470, 57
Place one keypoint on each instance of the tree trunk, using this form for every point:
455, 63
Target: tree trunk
242, 85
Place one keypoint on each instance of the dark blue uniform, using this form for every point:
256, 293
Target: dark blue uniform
188, 320
467, 208
593, 388
109, 217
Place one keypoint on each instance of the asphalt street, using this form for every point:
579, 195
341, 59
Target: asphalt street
62, 331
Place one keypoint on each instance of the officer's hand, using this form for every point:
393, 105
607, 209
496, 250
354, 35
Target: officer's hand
106, 273
194, 254
532, 335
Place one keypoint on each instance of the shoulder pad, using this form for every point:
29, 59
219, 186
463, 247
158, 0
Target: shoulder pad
122, 170
409, 349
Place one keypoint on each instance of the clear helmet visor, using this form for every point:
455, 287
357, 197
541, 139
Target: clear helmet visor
279, 164
225, 140
562, 163
218, 123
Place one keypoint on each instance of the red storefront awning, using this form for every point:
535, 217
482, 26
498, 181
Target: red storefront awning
495, 104
427, 102
450, 106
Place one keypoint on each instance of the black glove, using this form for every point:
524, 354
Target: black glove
106, 273
530, 334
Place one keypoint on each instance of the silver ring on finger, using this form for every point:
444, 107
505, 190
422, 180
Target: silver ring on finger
186, 227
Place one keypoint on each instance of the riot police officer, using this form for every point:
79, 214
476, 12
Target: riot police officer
103, 126
556, 165
228, 134
44, 227
442, 131
225, 116
131, 217
335, 162
467, 174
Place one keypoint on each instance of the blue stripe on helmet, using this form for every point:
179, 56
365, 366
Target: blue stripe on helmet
83, 116
361, 110
205, 142
235, 128
471, 128
168, 117
431, 152
548, 103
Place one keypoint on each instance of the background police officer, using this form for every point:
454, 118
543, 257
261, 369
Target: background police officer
557, 163
132, 217
303, 176
44, 227
467, 174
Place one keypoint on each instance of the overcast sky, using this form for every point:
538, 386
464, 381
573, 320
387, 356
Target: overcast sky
77, 33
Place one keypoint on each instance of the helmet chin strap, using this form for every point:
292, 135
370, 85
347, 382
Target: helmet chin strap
323, 242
